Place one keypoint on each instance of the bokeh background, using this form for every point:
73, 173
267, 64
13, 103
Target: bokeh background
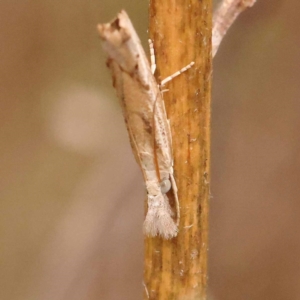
71, 194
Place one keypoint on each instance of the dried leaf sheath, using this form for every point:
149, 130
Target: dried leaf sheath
145, 118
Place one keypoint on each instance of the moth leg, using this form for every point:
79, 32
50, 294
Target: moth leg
173, 182
152, 57
165, 185
170, 137
169, 78
175, 192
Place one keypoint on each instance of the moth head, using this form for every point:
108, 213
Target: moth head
120, 42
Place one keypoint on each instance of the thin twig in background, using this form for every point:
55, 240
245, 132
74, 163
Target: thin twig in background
223, 18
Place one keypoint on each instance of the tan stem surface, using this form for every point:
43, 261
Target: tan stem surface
181, 31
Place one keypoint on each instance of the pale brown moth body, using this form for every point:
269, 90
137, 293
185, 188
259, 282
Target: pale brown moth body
146, 121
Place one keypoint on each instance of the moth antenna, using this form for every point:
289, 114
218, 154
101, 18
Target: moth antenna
152, 57
169, 78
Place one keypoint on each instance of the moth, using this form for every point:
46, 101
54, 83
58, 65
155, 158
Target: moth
146, 120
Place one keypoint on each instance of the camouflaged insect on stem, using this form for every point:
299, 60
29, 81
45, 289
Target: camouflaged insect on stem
146, 120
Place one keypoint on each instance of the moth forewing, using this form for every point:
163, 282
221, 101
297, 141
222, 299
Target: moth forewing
164, 152
145, 118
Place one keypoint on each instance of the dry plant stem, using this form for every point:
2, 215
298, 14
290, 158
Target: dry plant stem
223, 18
176, 269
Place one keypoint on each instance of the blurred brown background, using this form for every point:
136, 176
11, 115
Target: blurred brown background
71, 193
